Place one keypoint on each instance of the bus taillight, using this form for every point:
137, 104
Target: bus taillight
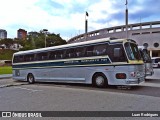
121, 76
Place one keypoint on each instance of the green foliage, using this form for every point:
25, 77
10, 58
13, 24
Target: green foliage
37, 40
8, 42
6, 54
5, 70
34, 40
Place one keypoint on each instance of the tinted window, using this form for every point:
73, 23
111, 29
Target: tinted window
132, 51
70, 53
59, 54
110, 52
18, 58
100, 49
28, 58
42, 56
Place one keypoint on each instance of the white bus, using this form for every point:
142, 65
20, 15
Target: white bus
99, 62
147, 60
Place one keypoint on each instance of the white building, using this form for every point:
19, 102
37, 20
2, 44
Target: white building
147, 33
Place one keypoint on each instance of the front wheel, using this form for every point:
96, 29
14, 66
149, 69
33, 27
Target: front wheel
100, 80
30, 78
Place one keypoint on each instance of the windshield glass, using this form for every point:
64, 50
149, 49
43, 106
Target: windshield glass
132, 51
145, 55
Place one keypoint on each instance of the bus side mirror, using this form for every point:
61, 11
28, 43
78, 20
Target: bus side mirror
117, 52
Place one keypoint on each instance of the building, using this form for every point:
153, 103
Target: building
33, 34
3, 34
145, 34
21, 34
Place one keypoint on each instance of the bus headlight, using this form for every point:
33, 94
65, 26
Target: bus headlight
135, 74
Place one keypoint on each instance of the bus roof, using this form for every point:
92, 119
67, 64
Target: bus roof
72, 45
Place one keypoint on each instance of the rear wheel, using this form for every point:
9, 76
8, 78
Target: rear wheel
99, 80
30, 78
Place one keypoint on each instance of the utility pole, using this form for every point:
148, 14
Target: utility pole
45, 32
86, 25
126, 18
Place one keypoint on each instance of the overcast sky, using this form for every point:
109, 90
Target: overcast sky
67, 16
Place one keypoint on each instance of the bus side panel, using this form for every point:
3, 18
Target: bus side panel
49, 74
106, 70
19, 74
76, 74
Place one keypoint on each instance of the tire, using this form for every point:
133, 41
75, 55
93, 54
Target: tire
30, 78
99, 80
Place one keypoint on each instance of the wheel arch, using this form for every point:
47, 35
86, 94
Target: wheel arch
98, 73
29, 75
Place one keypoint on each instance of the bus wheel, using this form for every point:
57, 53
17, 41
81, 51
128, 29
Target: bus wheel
30, 78
100, 80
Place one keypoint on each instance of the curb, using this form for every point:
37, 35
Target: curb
5, 76
10, 85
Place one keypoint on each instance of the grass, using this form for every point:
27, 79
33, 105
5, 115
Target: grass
5, 70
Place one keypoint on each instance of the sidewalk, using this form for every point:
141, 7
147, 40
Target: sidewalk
6, 81
5, 76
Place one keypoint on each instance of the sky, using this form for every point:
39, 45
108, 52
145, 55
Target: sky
67, 17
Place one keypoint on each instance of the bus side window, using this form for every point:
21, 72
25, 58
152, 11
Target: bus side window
80, 51
15, 59
21, 58
116, 53
100, 49
89, 51
59, 54
42, 56
52, 55
29, 57
70, 53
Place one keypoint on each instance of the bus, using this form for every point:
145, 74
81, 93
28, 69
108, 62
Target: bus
98, 62
147, 60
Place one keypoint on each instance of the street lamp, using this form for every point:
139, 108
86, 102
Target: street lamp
45, 31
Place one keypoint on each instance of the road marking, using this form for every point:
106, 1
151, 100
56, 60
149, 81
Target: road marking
33, 90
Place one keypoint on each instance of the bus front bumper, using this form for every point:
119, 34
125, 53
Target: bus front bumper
135, 81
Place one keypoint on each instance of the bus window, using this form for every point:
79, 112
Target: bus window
28, 58
52, 55
59, 54
89, 51
80, 51
70, 53
132, 51
114, 58
100, 49
42, 56
21, 58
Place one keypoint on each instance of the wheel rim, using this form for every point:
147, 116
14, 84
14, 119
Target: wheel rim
99, 81
30, 79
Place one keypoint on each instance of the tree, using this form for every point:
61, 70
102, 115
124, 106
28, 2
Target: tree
7, 41
36, 40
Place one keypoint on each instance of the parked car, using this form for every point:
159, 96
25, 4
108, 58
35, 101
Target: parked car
156, 62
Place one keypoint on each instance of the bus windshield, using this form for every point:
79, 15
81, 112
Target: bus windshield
132, 51
145, 55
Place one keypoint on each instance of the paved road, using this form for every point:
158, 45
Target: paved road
75, 97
